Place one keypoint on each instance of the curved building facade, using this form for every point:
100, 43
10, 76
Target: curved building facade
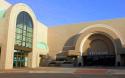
94, 43
21, 41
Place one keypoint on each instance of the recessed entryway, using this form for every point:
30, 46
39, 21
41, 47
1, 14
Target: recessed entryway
99, 50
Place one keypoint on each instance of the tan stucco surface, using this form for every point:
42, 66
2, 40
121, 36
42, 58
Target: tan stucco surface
4, 4
42, 32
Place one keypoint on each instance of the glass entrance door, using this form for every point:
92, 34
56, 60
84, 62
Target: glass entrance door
20, 58
99, 60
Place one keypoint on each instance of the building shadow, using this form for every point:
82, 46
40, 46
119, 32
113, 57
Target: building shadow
70, 43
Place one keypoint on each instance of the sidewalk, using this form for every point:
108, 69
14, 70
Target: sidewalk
86, 70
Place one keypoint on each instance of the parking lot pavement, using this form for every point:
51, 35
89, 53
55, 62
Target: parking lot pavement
55, 75
92, 71
66, 70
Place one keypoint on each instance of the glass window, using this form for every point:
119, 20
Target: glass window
29, 39
29, 45
18, 42
24, 32
24, 29
18, 30
29, 35
29, 29
24, 38
20, 26
18, 36
23, 44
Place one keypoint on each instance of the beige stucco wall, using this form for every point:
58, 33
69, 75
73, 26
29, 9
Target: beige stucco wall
59, 35
42, 47
42, 32
3, 8
4, 4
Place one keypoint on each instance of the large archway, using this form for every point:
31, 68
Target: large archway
103, 30
99, 49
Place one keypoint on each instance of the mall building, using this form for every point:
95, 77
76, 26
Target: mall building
26, 42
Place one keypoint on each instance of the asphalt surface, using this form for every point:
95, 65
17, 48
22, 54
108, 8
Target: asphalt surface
55, 75
62, 72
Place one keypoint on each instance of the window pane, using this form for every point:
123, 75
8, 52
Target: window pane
24, 38
24, 30
29, 29
18, 30
29, 45
18, 36
29, 35
29, 39
18, 42
20, 26
23, 44
24, 33
24, 27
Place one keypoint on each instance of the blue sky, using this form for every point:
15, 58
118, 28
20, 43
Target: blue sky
58, 12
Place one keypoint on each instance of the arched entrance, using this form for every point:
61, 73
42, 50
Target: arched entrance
98, 49
105, 31
23, 40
